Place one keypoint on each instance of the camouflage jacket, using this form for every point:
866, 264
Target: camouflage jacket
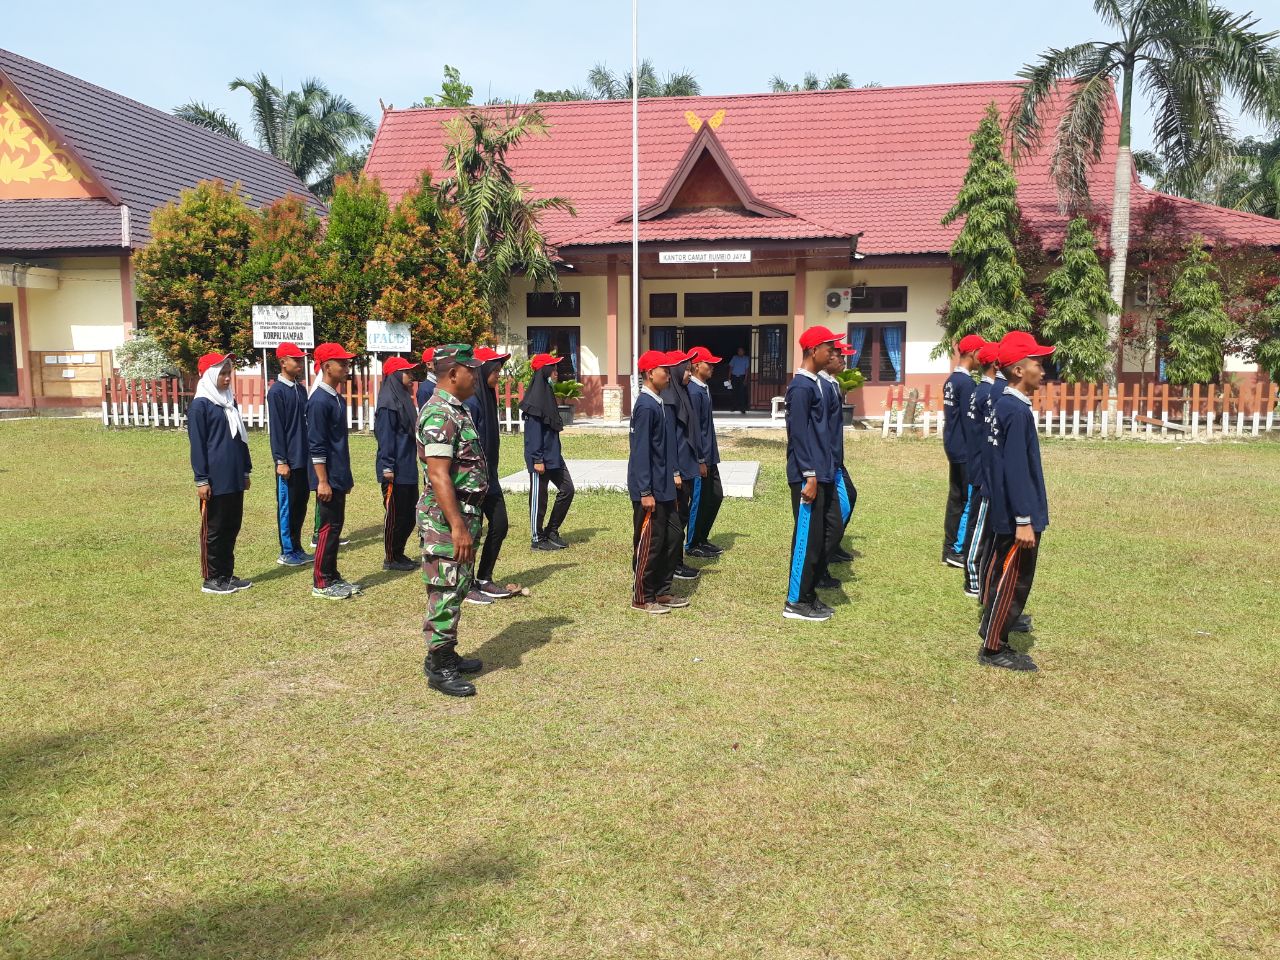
445, 429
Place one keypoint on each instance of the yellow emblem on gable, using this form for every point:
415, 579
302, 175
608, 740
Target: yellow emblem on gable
695, 122
33, 163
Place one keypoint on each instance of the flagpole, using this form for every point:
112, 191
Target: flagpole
635, 201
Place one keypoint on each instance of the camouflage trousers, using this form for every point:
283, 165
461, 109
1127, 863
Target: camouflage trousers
447, 581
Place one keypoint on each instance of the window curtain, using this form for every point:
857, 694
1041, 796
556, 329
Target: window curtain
573, 351
893, 347
857, 339
540, 340
663, 338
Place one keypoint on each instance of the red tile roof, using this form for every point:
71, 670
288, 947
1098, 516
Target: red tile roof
884, 161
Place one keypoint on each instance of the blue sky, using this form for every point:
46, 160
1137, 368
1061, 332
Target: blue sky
164, 53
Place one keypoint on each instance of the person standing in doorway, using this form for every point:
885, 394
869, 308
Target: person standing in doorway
427, 386
651, 476
331, 476
811, 476
1019, 505
450, 515
542, 455
287, 412
483, 407
395, 421
955, 403
708, 492
221, 464
739, 370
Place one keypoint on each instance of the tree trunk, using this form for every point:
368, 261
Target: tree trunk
1120, 229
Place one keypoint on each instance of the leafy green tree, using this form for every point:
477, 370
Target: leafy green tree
561, 96
1189, 56
351, 274
1078, 301
428, 282
189, 276
1197, 325
311, 129
989, 300
499, 214
1266, 349
604, 84
453, 92
282, 265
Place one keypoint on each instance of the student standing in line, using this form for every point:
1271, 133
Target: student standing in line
651, 476
846, 492
287, 412
483, 407
955, 402
221, 464
739, 368
1019, 505
395, 422
708, 492
977, 430
681, 424
331, 476
542, 455
811, 476
427, 386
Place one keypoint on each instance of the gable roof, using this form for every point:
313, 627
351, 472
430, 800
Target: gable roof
145, 158
886, 162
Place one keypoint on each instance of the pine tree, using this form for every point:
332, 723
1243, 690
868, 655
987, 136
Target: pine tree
989, 300
1198, 325
428, 283
1078, 295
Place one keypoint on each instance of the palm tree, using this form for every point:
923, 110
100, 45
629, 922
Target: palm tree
837, 81
311, 129
604, 84
1246, 177
500, 217
1188, 55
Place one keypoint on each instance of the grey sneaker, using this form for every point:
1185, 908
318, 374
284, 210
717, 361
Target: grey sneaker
335, 591
804, 611
654, 608
218, 586
478, 598
235, 583
352, 588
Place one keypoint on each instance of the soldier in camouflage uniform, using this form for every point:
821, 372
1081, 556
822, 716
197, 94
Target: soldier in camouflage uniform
449, 514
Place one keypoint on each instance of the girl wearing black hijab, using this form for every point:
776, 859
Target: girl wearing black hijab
542, 426
394, 425
688, 457
483, 407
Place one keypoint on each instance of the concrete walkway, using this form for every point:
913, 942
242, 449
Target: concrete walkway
737, 476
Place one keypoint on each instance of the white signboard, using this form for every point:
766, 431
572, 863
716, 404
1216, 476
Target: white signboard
383, 337
704, 256
273, 326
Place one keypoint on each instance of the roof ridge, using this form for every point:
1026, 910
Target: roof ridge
1230, 211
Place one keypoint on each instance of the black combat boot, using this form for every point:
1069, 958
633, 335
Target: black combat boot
462, 664
443, 675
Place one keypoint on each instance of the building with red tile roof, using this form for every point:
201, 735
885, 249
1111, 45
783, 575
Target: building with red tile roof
768, 193
81, 171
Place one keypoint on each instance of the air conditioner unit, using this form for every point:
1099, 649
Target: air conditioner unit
839, 298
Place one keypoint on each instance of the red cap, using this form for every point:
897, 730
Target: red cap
485, 354
212, 360
970, 343
816, 335
651, 360
540, 360
674, 357
396, 364
703, 355
847, 350
429, 355
989, 353
330, 351
287, 349
1018, 345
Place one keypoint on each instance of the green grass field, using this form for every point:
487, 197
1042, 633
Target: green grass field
268, 776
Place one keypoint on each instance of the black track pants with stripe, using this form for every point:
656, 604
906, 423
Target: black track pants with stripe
1011, 574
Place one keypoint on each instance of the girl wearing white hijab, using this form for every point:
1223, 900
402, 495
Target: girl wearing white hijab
221, 464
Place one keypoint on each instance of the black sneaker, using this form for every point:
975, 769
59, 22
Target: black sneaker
478, 598
954, 560
402, 564
342, 542
235, 583
217, 585
685, 572
823, 607
492, 590
1007, 659
711, 547
1022, 624
544, 545
554, 537
804, 611
842, 556
827, 583
700, 553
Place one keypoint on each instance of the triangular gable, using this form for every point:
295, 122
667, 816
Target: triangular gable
36, 162
706, 176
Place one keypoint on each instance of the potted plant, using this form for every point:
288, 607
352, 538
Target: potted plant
568, 393
849, 380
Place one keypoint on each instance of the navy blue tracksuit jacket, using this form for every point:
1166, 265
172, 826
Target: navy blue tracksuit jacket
327, 439
425, 389
1016, 476
808, 431
541, 445
687, 457
287, 409
700, 397
955, 402
650, 466
835, 417
397, 447
218, 457
978, 415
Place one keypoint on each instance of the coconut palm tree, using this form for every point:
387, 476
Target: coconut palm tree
1246, 178
604, 84
311, 129
837, 81
500, 217
1188, 55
